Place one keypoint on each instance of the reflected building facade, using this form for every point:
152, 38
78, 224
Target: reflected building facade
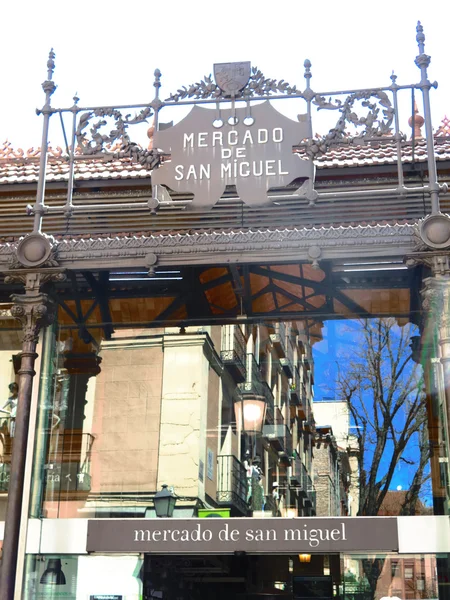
159, 407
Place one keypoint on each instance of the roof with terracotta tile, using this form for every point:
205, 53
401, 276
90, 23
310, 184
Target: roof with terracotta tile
26, 169
382, 154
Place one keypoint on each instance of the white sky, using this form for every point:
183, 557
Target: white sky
106, 51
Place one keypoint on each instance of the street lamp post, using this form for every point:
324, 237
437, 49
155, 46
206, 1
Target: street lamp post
250, 411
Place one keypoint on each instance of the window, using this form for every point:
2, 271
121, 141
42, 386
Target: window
394, 565
409, 571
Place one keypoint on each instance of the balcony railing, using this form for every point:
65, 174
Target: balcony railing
274, 434
295, 391
304, 402
309, 424
287, 362
254, 385
301, 479
278, 339
68, 465
67, 477
232, 485
69, 462
307, 396
233, 351
310, 498
279, 435
298, 470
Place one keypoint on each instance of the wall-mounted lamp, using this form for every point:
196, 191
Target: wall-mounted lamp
164, 502
304, 558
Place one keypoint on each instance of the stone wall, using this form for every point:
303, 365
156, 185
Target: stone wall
126, 416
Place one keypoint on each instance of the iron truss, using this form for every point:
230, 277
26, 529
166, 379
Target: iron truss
98, 302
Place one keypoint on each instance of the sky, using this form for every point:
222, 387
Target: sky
106, 52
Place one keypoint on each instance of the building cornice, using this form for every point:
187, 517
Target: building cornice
230, 246
200, 339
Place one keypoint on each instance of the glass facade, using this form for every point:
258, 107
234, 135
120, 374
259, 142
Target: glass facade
10, 348
282, 419
300, 418
326, 576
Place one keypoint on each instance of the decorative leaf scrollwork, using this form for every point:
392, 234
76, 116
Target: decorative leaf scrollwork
258, 85
96, 142
147, 158
201, 90
376, 123
330, 104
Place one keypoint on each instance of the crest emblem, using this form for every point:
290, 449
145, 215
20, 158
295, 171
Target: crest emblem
232, 77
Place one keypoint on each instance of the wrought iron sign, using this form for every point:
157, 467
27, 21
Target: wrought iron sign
240, 144
252, 149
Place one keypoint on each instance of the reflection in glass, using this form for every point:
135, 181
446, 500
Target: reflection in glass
295, 418
10, 347
402, 576
372, 374
53, 574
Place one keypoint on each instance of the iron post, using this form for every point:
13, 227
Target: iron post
34, 310
49, 87
423, 61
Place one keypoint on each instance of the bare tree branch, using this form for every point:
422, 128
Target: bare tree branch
382, 388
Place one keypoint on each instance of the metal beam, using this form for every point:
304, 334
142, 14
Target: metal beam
321, 287
100, 289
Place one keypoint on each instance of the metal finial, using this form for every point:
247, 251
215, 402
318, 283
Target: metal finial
157, 82
75, 102
394, 79
422, 60
307, 75
49, 86
420, 37
50, 64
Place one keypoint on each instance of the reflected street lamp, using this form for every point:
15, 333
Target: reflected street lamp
53, 574
164, 502
250, 411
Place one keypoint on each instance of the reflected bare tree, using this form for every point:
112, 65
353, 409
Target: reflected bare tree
383, 389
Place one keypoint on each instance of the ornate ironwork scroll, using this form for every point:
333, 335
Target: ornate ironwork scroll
363, 116
116, 141
375, 124
97, 141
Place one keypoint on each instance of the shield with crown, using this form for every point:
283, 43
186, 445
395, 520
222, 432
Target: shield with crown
232, 77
